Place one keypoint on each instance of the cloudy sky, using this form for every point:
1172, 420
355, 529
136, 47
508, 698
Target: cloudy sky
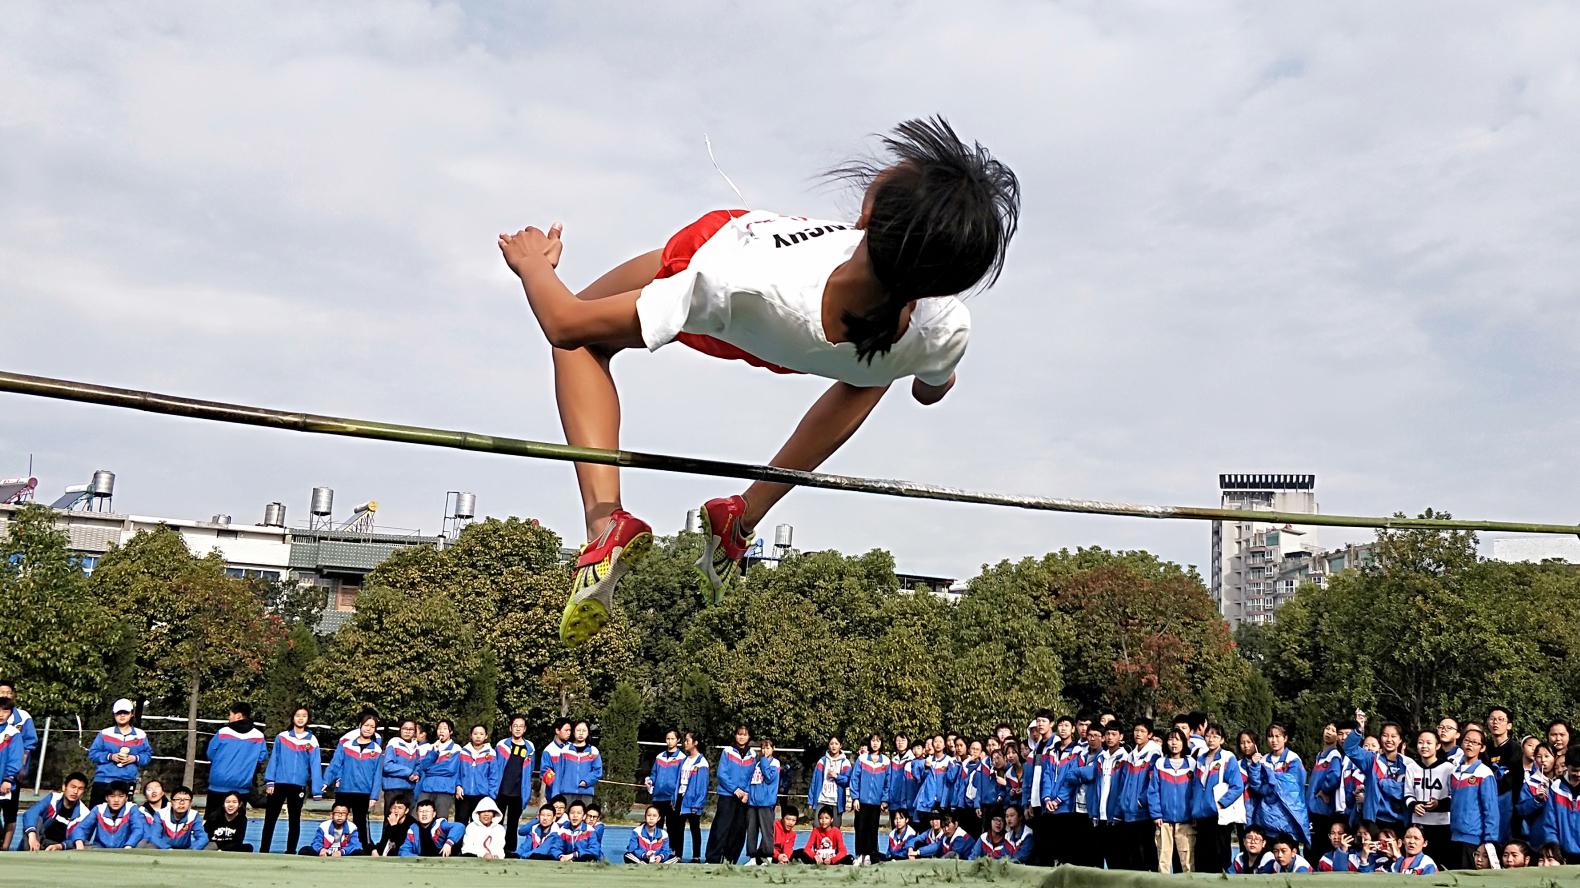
1330, 238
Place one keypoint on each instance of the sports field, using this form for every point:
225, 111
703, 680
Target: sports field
137, 869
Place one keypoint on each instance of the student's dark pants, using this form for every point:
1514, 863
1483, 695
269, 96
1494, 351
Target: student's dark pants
357, 803
96, 794
1320, 824
728, 833
1109, 841
1436, 837
1044, 829
760, 832
969, 821
801, 856
668, 819
1073, 839
464, 807
1140, 837
1212, 846
290, 797
866, 831
216, 801
510, 806
693, 822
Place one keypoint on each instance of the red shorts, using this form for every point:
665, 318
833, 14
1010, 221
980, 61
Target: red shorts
677, 257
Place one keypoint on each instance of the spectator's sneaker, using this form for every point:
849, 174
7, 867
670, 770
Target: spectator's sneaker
599, 567
725, 539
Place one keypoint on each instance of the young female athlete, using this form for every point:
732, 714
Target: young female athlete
863, 304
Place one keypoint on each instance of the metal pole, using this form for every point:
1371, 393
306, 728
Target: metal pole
43, 747
217, 411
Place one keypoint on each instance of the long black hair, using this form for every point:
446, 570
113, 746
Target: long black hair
942, 216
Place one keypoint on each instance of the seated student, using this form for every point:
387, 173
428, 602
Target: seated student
990, 844
538, 839
785, 834
1380, 860
649, 842
1414, 860
1253, 853
177, 827
577, 839
397, 822
227, 827
431, 835
953, 843
1552, 854
335, 837
1341, 859
1286, 858
825, 845
1516, 855
897, 844
561, 806
485, 834
48, 824
1017, 835
932, 838
155, 801
111, 824
595, 820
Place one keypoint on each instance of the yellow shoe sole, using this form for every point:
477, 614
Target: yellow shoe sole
587, 611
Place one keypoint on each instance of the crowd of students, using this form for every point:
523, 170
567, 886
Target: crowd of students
1094, 792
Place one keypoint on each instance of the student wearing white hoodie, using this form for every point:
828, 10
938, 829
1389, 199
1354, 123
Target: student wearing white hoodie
485, 835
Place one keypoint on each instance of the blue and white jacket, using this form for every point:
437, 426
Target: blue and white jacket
938, 774
829, 766
1325, 780
29, 731
51, 807
110, 741
1415, 865
477, 771
1172, 789
355, 766
186, 834
549, 762
736, 769
295, 761
987, 848
869, 778
692, 790
103, 828
442, 831
581, 767
648, 842
898, 843
538, 842
582, 841
1383, 801
12, 755
1056, 785
402, 759
958, 843
1219, 784
234, 756
1100, 776
1561, 819
764, 789
1278, 783
1530, 806
1018, 843
441, 768
344, 838
902, 782
1133, 789
1473, 809
665, 776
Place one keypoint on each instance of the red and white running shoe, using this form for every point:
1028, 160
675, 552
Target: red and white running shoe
599, 567
725, 539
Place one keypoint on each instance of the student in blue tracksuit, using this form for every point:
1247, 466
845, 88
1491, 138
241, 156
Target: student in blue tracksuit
582, 767
952, 843
401, 769
736, 765
1561, 819
477, 776
1322, 786
353, 770
868, 793
234, 753
110, 824
1098, 776
830, 780
1067, 828
902, 776
899, 841
991, 845
335, 837
440, 769
1138, 834
538, 839
1277, 781
11, 774
552, 759
936, 776
295, 769
1171, 791
118, 753
761, 797
1385, 774
576, 838
12, 715
1530, 802
48, 824
177, 827
515, 754
1473, 806
664, 778
649, 842
432, 835
1220, 785
1017, 835
692, 795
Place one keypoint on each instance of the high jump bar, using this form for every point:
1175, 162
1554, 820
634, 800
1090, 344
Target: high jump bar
216, 411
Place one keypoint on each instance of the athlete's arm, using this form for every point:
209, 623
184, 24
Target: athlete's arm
928, 395
825, 428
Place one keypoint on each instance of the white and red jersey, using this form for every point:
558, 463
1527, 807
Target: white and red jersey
755, 280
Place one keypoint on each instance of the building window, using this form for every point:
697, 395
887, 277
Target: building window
346, 597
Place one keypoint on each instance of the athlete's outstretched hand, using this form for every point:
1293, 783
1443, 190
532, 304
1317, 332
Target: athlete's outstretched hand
530, 244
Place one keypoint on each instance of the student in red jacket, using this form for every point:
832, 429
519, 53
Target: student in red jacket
825, 845
784, 834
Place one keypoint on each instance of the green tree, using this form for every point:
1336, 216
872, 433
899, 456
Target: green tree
621, 718
283, 687
58, 641
293, 601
